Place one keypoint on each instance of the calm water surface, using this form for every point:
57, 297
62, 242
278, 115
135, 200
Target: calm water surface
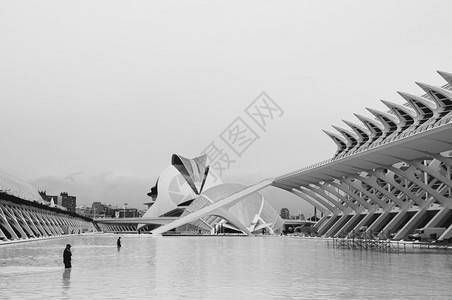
217, 268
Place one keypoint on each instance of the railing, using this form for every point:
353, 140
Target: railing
383, 245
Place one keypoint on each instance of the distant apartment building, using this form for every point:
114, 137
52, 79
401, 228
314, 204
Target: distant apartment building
114, 211
124, 213
98, 209
67, 201
285, 213
83, 210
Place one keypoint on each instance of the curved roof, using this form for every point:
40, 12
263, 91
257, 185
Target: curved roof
15, 187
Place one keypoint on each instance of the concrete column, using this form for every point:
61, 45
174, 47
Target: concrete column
350, 222
365, 221
440, 217
10, 216
6, 225
326, 225
414, 221
31, 223
24, 223
338, 225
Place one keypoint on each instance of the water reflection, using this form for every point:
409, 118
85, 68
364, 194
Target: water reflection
217, 268
66, 278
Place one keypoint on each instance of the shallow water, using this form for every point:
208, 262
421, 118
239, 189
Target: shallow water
217, 268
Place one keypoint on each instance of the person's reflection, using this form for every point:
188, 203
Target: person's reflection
66, 279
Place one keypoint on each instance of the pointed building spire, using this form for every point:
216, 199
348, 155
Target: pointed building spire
351, 139
442, 97
340, 141
446, 76
405, 115
359, 131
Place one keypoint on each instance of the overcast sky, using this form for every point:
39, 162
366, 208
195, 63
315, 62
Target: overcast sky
97, 95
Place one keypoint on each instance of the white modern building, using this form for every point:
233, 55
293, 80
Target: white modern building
188, 185
25, 215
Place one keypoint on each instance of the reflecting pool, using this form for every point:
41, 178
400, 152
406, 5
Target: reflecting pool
217, 267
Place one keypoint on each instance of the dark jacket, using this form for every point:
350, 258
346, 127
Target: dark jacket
67, 256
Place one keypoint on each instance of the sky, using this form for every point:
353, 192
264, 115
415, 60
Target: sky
97, 95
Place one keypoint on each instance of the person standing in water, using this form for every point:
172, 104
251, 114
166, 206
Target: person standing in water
118, 242
67, 257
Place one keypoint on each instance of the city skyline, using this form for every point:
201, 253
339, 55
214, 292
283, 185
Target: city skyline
94, 106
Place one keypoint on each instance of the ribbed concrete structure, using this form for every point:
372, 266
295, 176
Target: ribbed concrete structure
24, 214
390, 175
